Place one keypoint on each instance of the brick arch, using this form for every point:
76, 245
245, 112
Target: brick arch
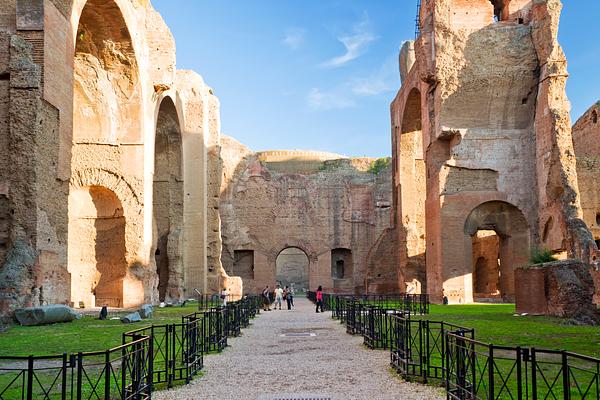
126, 192
130, 196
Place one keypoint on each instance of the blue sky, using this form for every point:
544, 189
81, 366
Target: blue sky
320, 74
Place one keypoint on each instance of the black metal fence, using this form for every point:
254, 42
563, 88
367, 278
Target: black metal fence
123, 372
418, 347
477, 370
440, 352
337, 303
158, 354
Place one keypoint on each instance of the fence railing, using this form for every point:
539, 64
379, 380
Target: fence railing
337, 303
418, 347
477, 370
158, 354
437, 351
123, 372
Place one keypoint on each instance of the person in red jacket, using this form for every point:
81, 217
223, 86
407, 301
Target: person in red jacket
320, 298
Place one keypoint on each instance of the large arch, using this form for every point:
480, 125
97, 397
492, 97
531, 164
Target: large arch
168, 202
292, 268
97, 260
506, 231
106, 88
412, 178
125, 200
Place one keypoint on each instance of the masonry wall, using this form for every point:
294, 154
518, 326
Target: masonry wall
82, 89
330, 204
489, 77
587, 149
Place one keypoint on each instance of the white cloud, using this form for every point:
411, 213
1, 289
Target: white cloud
356, 44
294, 38
321, 101
384, 80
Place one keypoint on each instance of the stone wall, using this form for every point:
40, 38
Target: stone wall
562, 289
587, 150
481, 127
110, 154
301, 214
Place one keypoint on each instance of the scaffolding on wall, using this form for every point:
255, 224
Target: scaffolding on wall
417, 20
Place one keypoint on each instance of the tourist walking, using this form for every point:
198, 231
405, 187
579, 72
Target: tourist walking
320, 298
224, 296
266, 299
278, 297
288, 297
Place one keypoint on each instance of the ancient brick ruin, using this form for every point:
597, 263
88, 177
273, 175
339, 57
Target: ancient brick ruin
302, 218
108, 152
484, 166
116, 187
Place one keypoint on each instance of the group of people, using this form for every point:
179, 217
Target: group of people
280, 294
277, 297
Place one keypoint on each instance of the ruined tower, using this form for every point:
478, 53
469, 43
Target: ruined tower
484, 168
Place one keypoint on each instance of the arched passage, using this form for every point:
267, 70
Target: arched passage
106, 92
291, 268
96, 247
412, 187
497, 240
168, 201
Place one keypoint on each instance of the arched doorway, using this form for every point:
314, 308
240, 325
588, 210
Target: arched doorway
96, 247
497, 238
168, 201
106, 114
292, 268
412, 191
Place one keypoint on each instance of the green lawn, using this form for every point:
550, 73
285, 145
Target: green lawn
495, 323
85, 334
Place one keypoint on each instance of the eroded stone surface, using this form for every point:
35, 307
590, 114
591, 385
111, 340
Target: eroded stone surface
104, 144
301, 217
482, 142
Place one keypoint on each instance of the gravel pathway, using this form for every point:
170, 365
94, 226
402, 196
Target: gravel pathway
263, 365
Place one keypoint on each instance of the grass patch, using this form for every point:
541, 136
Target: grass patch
85, 334
495, 324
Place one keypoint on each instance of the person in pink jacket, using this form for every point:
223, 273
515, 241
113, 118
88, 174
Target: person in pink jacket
320, 298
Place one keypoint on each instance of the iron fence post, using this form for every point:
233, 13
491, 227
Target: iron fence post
533, 375
425, 371
79, 374
490, 372
107, 368
519, 373
150, 364
30, 378
447, 357
63, 391
565, 376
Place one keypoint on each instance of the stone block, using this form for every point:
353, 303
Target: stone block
146, 311
130, 318
530, 291
568, 291
43, 315
30, 15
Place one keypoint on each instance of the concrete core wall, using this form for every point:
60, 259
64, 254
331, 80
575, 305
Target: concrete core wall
480, 126
300, 214
104, 181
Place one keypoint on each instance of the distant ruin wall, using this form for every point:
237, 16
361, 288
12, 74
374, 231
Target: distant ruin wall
340, 205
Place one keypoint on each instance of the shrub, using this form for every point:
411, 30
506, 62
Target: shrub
379, 165
540, 256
